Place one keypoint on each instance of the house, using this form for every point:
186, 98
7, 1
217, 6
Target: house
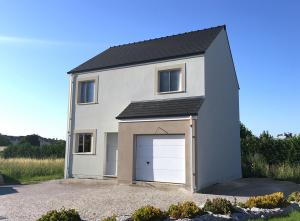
161, 110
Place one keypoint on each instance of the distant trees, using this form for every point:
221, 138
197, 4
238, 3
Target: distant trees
32, 139
4, 141
27, 150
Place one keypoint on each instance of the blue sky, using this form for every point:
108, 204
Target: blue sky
41, 40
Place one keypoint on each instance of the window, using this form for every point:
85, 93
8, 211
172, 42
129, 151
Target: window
169, 80
84, 143
86, 92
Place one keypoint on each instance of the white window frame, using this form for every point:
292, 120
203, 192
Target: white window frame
76, 141
78, 89
182, 84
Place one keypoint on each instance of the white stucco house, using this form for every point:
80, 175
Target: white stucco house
160, 110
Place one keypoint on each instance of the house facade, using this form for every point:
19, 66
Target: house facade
161, 110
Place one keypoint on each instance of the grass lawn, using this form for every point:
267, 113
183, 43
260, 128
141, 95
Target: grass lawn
294, 216
26, 171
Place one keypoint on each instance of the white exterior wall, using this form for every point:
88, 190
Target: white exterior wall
117, 88
218, 133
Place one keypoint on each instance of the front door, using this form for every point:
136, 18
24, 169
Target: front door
111, 154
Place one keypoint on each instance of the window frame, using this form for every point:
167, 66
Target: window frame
182, 83
76, 141
78, 89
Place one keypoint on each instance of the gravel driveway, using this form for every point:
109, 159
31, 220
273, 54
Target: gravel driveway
97, 199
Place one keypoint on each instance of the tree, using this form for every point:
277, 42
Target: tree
32, 139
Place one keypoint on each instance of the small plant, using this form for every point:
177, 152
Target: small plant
110, 218
242, 205
294, 197
218, 206
61, 215
184, 210
148, 213
274, 200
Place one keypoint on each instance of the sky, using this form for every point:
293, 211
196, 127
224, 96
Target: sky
41, 40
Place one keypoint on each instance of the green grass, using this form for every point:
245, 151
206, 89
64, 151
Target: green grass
294, 216
26, 171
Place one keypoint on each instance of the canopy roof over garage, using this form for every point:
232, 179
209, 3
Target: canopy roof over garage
162, 108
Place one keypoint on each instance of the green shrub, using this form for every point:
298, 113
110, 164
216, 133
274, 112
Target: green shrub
110, 218
61, 215
294, 196
274, 200
218, 206
148, 213
184, 210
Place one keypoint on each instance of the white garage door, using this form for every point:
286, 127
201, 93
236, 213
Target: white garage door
160, 158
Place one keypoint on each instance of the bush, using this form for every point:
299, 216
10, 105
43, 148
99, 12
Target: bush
184, 210
218, 206
294, 197
62, 215
274, 200
110, 218
148, 213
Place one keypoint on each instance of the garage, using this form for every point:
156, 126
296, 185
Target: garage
160, 158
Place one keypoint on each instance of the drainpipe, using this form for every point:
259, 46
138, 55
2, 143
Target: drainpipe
69, 128
192, 154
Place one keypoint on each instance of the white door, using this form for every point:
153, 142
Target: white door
111, 154
160, 158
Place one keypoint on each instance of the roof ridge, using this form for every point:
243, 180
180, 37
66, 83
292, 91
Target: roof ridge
168, 36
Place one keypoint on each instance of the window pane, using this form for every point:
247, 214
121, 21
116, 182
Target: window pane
175, 80
87, 142
82, 92
164, 81
80, 143
90, 91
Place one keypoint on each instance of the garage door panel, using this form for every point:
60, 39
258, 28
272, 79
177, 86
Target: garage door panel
160, 158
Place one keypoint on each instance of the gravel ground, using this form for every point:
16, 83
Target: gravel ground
93, 199
97, 199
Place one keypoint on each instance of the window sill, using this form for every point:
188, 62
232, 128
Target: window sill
89, 153
170, 92
90, 103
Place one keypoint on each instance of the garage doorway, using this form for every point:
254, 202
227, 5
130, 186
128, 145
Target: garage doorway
160, 158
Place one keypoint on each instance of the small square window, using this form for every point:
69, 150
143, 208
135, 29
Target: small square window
84, 143
86, 92
169, 80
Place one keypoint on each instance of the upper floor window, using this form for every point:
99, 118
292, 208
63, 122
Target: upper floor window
169, 80
86, 92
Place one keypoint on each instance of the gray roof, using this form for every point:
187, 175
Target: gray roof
174, 46
162, 108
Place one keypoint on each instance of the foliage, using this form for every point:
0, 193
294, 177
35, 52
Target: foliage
55, 150
32, 139
293, 216
218, 206
110, 218
4, 141
184, 210
148, 213
274, 200
294, 197
24, 170
266, 156
61, 215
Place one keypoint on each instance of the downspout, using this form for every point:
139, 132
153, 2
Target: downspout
193, 154
69, 128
